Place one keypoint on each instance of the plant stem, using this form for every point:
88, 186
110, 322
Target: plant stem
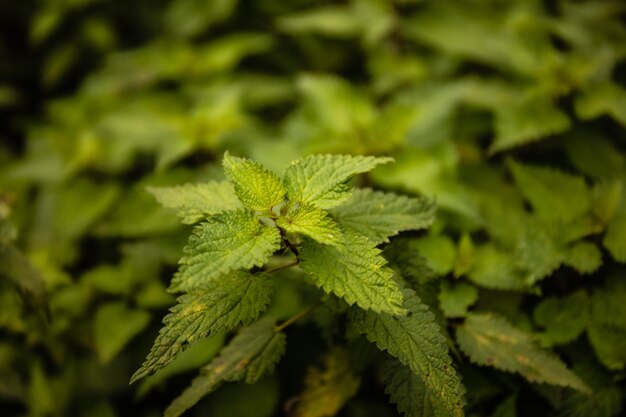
287, 243
284, 266
298, 316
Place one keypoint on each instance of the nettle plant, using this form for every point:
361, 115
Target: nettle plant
256, 225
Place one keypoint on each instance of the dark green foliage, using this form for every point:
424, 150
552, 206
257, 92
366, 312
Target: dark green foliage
354, 208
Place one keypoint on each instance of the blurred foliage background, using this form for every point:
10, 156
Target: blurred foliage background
511, 113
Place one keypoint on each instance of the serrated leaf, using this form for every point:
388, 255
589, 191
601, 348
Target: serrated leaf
336, 106
527, 120
615, 237
608, 342
563, 319
226, 241
354, 271
378, 215
311, 221
607, 196
495, 268
455, 299
252, 352
439, 252
323, 179
191, 359
257, 187
607, 329
27, 279
114, 326
605, 401
537, 253
194, 202
137, 215
585, 257
336, 21
607, 98
409, 392
326, 390
553, 194
221, 305
600, 161
490, 340
417, 342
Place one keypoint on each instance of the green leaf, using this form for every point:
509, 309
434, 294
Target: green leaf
193, 202
585, 257
439, 252
253, 352
326, 390
465, 255
220, 306
607, 330
336, 21
495, 268
354, 271
188, 18
323, 179
563, 319
527, 120
607, 196
553, 194
417, 342
507, 408
311, 221
409, 392
455, 299
537, 253
607, 98
605, 401
261, 400
378, 215
600, 161
137, 215
227, 241
114, 326
608, 343
615, 237
191, 359
337, 109
257, 187
490, 340
23, 275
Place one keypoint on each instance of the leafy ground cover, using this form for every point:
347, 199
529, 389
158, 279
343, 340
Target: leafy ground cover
352, 208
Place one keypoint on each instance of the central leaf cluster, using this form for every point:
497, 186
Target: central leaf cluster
313, 211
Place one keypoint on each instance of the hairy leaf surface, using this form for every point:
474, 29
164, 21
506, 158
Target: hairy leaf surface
311, 221
257, 187
322, 179
409, 392
194, 202
417, 342
378, 215
355, 272
490, 340
253, 352
223, 304
227, 241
